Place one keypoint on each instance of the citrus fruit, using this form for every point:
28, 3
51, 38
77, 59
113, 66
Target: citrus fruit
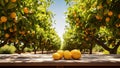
110, 13
7, 35
107, 19
61, 53
56, 56
25, 10
76, 54
11, 30
13, 0
3, 19
119, 16
13, 15
67, 54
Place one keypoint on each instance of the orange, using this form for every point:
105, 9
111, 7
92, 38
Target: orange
86, 39
13, 15
117, 25
3, 19
61, 53
13, 0
67, 54
11, 30
97, 17
23, 32
110, 13
107, 19
56, 56
25, 10
76, 54
7, 35
119, 16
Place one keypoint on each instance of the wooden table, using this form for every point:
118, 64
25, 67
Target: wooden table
45, 60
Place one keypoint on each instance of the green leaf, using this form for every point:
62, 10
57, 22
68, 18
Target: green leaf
11, 5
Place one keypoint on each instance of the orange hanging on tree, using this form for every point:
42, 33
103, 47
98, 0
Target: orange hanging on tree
107, 19
3, 19
13, 0
13, 15
25, 10
7, 35
110, 13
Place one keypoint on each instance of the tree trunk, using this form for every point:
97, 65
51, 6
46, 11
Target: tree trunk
91, 47
102, 44
34, 49
17, 48
113, 51
42, 51
35, 52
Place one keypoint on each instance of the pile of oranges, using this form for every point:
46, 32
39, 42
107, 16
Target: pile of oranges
73, 54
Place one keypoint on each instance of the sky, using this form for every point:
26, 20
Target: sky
59, 8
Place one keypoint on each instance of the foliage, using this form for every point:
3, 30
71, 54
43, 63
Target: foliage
105, 52
118, 51
96, 22
26, 23
28, 49
7, 49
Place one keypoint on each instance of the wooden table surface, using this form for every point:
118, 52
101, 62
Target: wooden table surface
46, 60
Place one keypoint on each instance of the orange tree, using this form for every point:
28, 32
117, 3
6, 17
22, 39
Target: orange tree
22, 20
91, 17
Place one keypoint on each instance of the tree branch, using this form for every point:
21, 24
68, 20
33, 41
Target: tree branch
101, 44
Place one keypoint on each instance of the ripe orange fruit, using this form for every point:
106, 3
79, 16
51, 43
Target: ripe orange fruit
86, 39
76, 54
97, 17
56, 56
107, 19
13, 0
67, 55
7, 35
61, 52
25, 10
3, 19
23, 32
110, 13
11, 30
117, 25
13, 15
119, 16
